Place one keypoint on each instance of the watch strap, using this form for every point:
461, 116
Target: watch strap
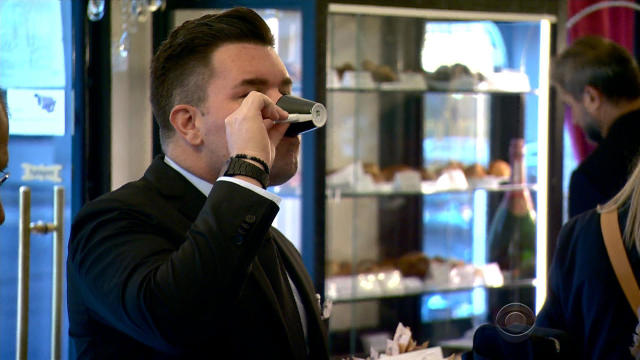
240, 167
264, 165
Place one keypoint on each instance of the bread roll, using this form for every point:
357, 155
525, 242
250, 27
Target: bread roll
337, 268
347, 66
428, 174
374, 171
383, 73
500, 168
451, 165
474, 171
368, 65
414, 264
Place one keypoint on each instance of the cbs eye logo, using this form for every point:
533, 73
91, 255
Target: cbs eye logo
515, 322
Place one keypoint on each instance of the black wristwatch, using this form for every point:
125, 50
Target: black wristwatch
241, 167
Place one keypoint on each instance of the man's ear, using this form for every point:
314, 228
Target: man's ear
183, 118
591, 98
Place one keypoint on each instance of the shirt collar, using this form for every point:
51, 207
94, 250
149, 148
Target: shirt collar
202, 185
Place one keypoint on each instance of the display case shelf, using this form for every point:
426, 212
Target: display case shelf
421, 289
389, 190
379, 88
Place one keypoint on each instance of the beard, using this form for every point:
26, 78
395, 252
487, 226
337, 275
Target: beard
285, 163
592, 130
594, 135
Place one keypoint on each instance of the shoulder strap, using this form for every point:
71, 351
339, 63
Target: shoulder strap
618, 256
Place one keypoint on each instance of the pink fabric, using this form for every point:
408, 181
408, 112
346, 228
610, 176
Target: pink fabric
615, 23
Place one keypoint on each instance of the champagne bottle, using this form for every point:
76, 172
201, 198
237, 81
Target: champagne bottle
512, 234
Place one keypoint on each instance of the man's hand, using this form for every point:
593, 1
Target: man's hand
250, 129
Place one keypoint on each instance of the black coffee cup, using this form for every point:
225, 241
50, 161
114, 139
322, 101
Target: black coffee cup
304, 115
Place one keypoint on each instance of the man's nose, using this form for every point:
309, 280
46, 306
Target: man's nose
274, 95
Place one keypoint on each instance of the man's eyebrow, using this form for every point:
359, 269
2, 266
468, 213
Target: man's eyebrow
262, 82
286, 82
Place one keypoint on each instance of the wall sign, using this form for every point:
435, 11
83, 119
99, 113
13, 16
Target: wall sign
32, 172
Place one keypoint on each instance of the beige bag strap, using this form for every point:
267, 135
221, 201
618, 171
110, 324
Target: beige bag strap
618, 256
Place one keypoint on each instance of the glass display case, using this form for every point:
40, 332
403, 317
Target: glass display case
437, 171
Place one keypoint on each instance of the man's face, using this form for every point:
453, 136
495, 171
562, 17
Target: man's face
581, 116
238, 69
4, 151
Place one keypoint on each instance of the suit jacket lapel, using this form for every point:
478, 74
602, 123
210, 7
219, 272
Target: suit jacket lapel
297, 271
262, 279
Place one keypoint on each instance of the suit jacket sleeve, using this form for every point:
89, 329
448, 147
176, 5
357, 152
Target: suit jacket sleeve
165, 290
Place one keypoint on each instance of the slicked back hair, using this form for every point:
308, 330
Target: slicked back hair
181, 68
600, 63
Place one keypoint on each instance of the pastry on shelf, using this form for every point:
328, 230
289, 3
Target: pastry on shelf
374, 171
414, 264
499, 168
450, 165
347, 66
366, 266
475, 171
368, 65
379, 73
428, 174
338, 268
388, 172
383, 73
454, 77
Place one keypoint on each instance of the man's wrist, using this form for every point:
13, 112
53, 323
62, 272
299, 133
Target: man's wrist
254, 160
247, 171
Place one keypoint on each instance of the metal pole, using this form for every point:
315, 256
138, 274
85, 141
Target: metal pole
56, 293
22, 330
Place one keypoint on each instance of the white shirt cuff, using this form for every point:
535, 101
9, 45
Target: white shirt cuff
257, 189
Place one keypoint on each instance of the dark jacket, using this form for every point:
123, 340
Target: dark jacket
605, 171
584, 297
157, 270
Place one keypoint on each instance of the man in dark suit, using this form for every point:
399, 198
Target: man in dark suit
600, 81
184, 263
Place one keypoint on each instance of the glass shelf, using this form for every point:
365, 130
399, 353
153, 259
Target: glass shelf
416, 289
379, 88
388, 190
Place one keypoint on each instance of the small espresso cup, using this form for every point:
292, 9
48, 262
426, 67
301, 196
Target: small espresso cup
304, 115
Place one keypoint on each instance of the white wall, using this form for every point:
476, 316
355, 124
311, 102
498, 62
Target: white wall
131, 119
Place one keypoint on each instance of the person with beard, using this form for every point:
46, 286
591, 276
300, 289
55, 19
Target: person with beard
590, 295
600, 82
184, 262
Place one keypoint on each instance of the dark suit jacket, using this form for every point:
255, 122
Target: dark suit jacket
157, 270
584, 297
603, 173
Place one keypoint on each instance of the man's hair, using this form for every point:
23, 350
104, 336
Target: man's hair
182, 67
600, 63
